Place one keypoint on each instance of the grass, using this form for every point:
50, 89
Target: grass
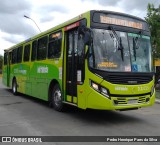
0, 75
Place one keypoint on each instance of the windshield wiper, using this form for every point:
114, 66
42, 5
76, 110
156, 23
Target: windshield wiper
134, 49
121, 48
135, 44
137, 39
119, 40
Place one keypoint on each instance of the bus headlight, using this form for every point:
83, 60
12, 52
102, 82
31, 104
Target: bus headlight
100, 89
95, 86
104, 91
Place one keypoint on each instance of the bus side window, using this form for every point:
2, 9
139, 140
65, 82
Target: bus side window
42, 48
54, 49
54, 46
26, 52
14, 56
34, 50
5, 58
19, 54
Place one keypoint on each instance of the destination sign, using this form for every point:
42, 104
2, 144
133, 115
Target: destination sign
69, 27
119, 20
55, 36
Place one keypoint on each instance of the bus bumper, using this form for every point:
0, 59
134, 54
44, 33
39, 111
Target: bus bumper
96, 100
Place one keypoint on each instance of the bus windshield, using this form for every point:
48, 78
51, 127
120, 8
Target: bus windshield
133, 55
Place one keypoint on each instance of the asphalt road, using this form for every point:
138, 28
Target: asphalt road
24, 115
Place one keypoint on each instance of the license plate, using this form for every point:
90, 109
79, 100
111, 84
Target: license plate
132, 101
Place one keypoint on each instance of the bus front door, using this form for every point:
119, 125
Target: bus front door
71, 66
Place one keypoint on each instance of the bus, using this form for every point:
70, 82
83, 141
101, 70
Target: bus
98, 60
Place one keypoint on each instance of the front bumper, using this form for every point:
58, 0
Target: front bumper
96, 100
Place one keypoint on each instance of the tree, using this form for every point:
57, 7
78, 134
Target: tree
153, 19
1, 61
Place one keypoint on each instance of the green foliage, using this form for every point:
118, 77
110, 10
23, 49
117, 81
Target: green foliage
153, 19
1, 62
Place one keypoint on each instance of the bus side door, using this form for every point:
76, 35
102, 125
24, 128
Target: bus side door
71, 64
74, 64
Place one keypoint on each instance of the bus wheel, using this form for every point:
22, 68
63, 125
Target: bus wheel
14, 87
57, 100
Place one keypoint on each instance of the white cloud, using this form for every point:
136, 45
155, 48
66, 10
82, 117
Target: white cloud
49, 13
3, 43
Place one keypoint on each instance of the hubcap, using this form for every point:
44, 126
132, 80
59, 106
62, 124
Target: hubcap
57, 97
14, 87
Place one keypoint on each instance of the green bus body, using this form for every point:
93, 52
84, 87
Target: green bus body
81, 85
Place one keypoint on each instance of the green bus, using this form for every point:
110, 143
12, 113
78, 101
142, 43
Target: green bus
98, 60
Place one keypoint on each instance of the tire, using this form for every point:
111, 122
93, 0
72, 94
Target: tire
14, 87
57, 99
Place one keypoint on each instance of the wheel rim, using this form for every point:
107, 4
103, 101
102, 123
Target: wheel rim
14, 87
57, 97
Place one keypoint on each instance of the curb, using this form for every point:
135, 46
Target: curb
157, 101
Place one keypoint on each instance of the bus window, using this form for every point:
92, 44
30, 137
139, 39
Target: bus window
54, 47
34, 50
42, 48
14, 56
19, 54
5, 58
26, 52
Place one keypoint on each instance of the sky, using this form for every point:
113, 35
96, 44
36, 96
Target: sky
14, 27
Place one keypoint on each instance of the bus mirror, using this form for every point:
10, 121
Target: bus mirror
86, 52
86, 32
87, 37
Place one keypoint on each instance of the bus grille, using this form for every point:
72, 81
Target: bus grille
124, 101
128, 79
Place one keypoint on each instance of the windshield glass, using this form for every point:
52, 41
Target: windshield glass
140, 48
120, 51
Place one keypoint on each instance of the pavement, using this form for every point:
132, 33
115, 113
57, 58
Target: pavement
23, 115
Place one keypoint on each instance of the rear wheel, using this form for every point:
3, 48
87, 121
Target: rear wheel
14, 87
57, 100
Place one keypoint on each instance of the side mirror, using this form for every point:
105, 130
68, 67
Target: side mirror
86, 32
87, 37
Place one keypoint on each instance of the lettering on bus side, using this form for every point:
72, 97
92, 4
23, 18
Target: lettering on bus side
16, 71
119, 88
42, 69
143, 88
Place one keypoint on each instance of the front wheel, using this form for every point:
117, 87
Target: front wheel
57, 100
14, 87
